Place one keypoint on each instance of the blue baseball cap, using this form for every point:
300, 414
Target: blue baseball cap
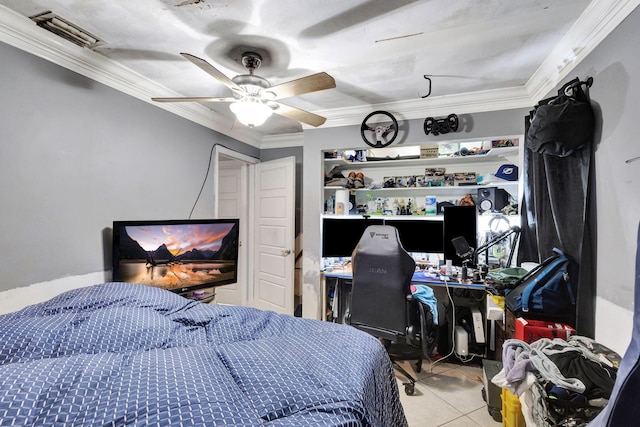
508, 172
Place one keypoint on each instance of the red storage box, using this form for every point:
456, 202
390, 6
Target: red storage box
532, 330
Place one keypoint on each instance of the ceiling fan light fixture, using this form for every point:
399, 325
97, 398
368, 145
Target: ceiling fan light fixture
251, 84
251, 112
254, 99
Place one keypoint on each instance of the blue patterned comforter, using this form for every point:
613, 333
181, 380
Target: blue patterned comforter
118, 354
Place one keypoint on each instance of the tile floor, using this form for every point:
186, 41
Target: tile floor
447, 395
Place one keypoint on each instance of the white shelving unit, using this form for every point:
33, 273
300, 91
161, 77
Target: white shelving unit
492, 156
375, 172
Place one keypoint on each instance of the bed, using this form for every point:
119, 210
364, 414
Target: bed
124, 354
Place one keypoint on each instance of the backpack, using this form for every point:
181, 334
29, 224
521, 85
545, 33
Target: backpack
544, 290
562, 125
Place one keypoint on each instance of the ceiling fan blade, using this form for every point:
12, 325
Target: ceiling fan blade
299, 115
196, 99
312, 83
212, 71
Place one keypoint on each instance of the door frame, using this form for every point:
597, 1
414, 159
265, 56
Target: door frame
247, 229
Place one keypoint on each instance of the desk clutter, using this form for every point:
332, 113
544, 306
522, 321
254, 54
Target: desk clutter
544, 373
520, 318
457, 307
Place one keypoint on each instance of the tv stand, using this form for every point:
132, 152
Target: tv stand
207, 295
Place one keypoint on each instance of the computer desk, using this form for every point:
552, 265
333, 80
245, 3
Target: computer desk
345, 276
342, 280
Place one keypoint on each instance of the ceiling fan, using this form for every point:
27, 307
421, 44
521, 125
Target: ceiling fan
254, 99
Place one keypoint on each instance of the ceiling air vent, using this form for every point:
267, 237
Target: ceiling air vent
65, 29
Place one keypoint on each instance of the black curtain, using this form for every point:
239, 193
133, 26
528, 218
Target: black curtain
557, 211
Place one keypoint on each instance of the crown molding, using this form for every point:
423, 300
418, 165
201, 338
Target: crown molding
282, 141
597, 21
462, 103
20, 32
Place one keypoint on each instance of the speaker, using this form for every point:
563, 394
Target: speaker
492, 199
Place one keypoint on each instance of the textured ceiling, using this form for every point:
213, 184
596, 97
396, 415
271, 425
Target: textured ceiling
378, 51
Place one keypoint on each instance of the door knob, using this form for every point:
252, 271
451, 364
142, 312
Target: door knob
286, 252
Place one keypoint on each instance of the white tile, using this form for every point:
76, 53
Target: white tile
463, 421
447, 394
426, 409
428, 368
472, 371
439, 366
482, 417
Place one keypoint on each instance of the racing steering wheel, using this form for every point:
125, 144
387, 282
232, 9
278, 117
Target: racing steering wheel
383, 131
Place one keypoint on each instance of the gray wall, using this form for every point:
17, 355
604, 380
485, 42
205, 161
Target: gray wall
77, 155
615, 67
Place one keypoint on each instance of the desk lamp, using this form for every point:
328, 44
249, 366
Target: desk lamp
470, 255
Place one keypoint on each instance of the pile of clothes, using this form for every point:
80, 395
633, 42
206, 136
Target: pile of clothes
558, 382
499, 280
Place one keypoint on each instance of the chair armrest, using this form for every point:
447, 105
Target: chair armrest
411, 332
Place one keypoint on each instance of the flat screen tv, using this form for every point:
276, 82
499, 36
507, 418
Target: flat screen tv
176, 255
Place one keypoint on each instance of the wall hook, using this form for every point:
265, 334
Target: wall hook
427, 78
633, 159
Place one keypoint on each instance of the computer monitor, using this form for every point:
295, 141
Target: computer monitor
420, 235
341, 235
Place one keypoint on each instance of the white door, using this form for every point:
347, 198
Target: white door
233, 197
275, 235
231, 203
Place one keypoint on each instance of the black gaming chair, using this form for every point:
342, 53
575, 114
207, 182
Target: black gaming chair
381, 300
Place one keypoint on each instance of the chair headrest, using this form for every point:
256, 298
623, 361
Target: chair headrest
379, 240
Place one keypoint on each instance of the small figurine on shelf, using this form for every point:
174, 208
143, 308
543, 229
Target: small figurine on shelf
467, 200
402, 210
385, 207
380, 205
329, 204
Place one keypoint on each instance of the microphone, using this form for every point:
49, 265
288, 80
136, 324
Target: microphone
463, 250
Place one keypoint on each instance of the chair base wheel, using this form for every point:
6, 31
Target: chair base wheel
409, 389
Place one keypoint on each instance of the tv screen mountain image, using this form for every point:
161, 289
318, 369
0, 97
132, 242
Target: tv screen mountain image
176, 255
